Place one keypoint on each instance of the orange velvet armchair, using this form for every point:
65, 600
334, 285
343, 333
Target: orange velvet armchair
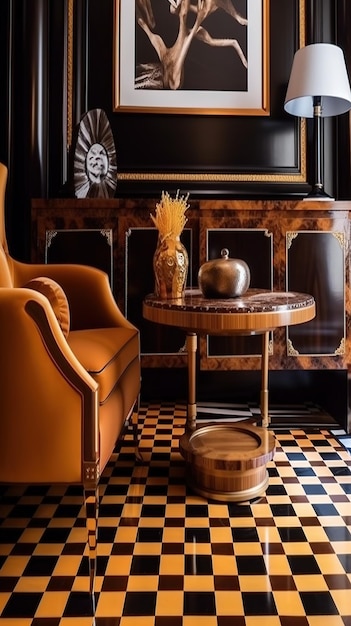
69, 375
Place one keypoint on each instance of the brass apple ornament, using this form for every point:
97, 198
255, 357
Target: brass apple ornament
224, 277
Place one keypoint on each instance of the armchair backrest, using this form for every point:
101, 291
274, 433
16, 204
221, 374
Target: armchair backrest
5, 273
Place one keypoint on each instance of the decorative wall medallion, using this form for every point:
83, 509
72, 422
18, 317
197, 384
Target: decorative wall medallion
95, 163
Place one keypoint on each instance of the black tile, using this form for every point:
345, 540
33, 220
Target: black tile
101, 565
318, 443
145, 564
282, 510
60, 583
197, 535
276, 490
67, 510
110, 510
218, 522
106, 534
55, 535
134, 499
291, 533
40, 566
10, 535
337, 533
8, 583
23, 549
163, 620
198, 564
259, 603
337, 581
340, 471
225, 620
22, 605
314, 490
115, 583
150, 535
304, 564
226, 583
295, 456
304, 471
116, 489
345, 560
222, 548
245, 534
238, 510
320, 603
140, 603
199, 603
172, 548
169, 582
330, 456
122, 471
250, 565
156, 490
196, 510
79, 604
21, 511
325, 510
74, 548
346, 487
153, 510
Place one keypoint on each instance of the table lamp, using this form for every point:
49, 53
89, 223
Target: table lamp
318, 87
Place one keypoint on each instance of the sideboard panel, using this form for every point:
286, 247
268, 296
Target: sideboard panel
316, 265
89, 246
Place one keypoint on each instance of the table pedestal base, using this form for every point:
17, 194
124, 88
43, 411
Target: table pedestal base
227, 462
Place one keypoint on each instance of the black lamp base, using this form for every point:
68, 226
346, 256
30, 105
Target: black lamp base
317, 193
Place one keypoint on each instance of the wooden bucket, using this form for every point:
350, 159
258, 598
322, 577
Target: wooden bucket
227, 462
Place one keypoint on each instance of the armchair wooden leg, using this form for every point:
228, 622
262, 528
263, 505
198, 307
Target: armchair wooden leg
135, 425
91, 497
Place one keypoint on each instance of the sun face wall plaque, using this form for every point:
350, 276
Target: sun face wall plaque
95, 162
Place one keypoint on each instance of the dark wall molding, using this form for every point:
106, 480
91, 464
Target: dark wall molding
33, 109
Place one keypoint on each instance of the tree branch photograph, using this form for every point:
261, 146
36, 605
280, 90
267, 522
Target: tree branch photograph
191, 56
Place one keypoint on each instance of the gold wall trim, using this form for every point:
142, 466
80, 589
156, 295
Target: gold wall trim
69, 70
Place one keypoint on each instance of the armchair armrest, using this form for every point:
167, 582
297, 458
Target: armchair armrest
48, 398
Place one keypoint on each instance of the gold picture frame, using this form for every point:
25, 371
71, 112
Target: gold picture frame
197, 173
173, 57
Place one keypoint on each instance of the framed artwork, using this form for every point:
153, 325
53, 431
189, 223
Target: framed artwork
191, 56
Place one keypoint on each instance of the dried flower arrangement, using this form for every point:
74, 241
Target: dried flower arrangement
170, 217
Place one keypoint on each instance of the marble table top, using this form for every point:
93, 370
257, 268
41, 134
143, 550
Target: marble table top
253, 301
256, 311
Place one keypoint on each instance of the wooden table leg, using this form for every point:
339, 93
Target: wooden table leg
191, 347
264, 379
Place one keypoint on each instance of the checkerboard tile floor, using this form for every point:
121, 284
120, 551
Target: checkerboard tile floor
167, 557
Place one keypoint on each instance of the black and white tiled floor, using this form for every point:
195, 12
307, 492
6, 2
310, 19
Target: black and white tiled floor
167, 557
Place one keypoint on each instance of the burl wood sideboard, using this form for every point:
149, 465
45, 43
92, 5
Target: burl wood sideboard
291, 245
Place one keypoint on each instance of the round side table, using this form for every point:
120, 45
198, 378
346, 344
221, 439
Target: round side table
228, 462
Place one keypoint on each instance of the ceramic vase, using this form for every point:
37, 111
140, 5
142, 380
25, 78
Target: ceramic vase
170, 264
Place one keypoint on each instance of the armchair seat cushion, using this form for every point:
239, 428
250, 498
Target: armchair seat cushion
105, 353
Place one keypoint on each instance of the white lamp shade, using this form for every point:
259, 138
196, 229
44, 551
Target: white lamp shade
318, 70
